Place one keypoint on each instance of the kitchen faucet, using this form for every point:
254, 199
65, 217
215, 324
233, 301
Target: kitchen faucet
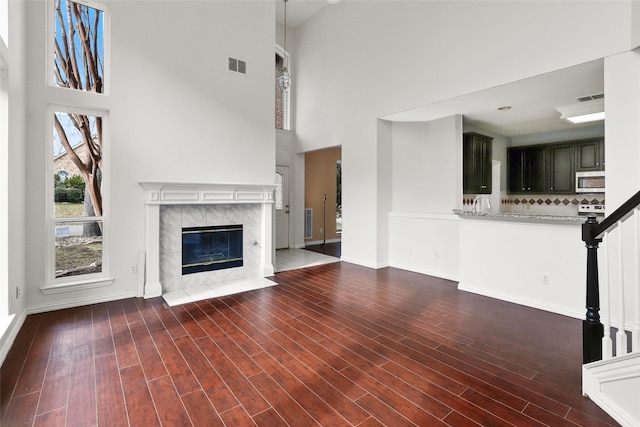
478, 202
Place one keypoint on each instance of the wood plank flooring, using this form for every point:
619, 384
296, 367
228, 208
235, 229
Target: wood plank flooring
334, 345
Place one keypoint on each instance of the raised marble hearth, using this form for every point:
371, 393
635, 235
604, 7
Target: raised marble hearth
173, 206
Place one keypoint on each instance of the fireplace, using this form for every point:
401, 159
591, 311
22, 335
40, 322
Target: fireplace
174, 206
211, 248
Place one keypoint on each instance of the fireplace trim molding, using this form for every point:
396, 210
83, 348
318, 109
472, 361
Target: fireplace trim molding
159, 193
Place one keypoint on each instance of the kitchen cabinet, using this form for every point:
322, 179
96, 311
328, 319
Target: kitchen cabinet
527, 169
551, 168
476, 168
561, 168
590, 155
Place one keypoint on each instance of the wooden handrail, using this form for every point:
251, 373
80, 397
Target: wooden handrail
620, 214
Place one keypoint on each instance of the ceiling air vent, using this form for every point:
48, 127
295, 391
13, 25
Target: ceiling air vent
237, 65
590, 97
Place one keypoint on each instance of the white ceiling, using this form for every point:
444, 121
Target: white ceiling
298, 11
532, 102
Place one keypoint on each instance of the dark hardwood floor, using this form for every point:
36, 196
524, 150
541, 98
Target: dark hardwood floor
332, 249
334, 345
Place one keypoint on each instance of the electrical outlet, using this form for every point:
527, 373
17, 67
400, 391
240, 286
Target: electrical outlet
133, 269
546, 279
321, 229
18, 292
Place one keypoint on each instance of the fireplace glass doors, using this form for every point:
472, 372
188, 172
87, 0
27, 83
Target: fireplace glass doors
211, 248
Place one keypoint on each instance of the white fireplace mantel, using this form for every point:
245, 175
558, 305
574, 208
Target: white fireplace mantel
173, 193
159, 193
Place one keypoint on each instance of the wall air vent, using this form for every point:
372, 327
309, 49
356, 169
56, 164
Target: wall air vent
590, 97
237, 65
308, 223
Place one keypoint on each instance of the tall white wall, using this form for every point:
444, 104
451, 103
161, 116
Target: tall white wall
426, 187
384, 190
427, 168
17, 158
12, 220
622, 154
357, 61
175, 112
622, 133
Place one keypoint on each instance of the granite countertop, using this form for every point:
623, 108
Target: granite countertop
505, 216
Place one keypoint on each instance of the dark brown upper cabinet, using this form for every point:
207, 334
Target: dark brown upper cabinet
527, 169
476, 178
590, 155
551, 168
561, 166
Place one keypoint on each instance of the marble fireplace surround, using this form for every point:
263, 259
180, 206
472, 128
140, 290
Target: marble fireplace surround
213, 197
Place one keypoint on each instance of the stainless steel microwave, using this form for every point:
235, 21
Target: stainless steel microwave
590, 182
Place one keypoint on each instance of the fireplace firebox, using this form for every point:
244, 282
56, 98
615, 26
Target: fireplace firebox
211, 248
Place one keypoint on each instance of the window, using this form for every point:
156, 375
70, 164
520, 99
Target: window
76, 201
77, 172
278, 193
282, 97
79, 46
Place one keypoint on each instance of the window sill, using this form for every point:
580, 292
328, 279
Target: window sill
76, 286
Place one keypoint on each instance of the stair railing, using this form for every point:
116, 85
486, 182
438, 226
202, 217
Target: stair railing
596, 336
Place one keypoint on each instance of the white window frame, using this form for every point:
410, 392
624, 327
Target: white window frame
51, 30
286, 100
61, 99
65, 284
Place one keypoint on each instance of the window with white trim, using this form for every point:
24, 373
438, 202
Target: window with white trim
77, 172
79, 51
282, 96
77, 201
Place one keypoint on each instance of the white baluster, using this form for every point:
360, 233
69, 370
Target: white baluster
635, 334
621, 336
605, 309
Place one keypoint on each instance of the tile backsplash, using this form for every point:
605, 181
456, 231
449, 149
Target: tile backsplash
546, 204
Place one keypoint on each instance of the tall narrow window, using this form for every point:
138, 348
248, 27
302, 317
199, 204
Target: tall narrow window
79, 46
282, 97
77, 173
78, 206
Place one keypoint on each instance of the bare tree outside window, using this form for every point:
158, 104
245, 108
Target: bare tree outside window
79, 65
79, 47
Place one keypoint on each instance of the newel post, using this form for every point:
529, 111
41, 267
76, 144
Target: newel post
592, 329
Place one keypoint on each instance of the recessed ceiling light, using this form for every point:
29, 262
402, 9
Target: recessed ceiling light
582, 112
593, 117
504, 108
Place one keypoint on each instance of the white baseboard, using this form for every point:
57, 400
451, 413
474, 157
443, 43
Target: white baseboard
319, 242
80, 302
521, 301
606, 381
425, 271
9, 333
364, 263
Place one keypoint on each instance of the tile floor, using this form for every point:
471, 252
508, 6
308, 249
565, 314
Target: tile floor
286, 259
292, 259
